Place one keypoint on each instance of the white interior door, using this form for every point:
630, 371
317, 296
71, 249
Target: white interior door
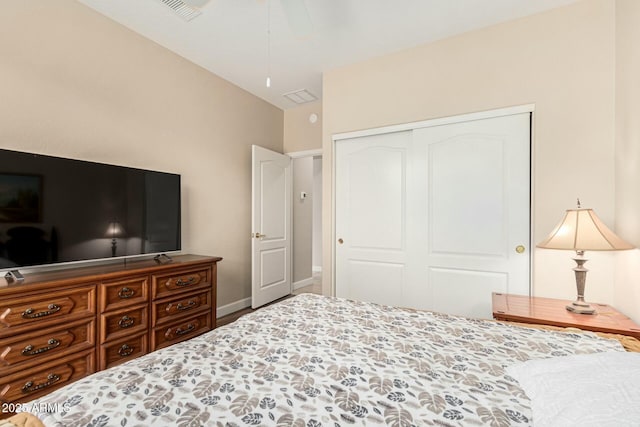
271, 226
431, 218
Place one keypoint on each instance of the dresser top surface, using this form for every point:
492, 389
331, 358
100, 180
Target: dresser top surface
94, 273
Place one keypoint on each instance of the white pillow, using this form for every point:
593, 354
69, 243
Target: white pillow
599, 389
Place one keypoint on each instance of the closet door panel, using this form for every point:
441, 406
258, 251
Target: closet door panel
467, 300
375, 281
376, 199
371, 217
477, 213
467, 197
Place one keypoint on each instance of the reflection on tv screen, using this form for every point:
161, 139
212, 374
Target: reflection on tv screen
55, 210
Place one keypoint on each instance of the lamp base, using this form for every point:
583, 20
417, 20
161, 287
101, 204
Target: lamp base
581, 307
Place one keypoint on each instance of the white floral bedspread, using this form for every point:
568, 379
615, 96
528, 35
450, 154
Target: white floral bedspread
318, 361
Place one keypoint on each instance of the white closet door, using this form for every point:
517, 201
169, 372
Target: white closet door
371, 195
431, 218
477, 191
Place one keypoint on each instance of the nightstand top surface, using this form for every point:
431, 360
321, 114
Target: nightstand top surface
549, 311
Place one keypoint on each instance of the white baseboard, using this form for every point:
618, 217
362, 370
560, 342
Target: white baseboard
316, 269
246, 302
233, 307
302, 283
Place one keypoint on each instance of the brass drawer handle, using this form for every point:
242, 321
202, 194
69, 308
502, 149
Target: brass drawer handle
125, 350
190, 327
186, 306
187, 282
125, 293
29, 351
29, 312
126, 322
30, 387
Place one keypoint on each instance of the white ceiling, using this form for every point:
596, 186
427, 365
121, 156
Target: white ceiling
229, 38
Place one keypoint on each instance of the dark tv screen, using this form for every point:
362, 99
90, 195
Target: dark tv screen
56, 210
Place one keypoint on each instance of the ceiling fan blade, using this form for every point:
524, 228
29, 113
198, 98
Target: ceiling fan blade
298, 17
196, 3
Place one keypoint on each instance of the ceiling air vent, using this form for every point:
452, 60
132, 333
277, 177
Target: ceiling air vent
182, 9
301, 96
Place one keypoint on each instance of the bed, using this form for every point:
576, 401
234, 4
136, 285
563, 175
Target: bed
320, 361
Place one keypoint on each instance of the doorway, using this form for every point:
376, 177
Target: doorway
307, 222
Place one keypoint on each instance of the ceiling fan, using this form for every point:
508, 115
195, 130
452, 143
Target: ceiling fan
298, 17
195, 3
295, 10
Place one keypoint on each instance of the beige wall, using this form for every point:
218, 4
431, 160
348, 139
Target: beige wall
563, 61
75, 84
299, 133
627, 295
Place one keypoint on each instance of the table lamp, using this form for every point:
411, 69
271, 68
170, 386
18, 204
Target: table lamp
114, 231
581, 230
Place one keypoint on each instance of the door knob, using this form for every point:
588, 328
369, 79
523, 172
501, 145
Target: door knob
520, 249
340, 241
258, 235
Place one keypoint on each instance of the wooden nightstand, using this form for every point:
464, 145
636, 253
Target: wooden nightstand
548, 311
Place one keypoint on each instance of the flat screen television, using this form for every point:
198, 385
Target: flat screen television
55, 210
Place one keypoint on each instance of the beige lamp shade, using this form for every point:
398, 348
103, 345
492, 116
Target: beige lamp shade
115, 230
582, 230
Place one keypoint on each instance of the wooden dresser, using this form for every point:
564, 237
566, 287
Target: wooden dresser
59, 326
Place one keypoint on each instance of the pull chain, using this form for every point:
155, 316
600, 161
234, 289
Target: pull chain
268, 44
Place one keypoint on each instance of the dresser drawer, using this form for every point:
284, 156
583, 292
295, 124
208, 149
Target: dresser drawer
169, 310
123, 293
20, 314
42, 380
164, 336
45, 345
120, 351
125, 322
180, 281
